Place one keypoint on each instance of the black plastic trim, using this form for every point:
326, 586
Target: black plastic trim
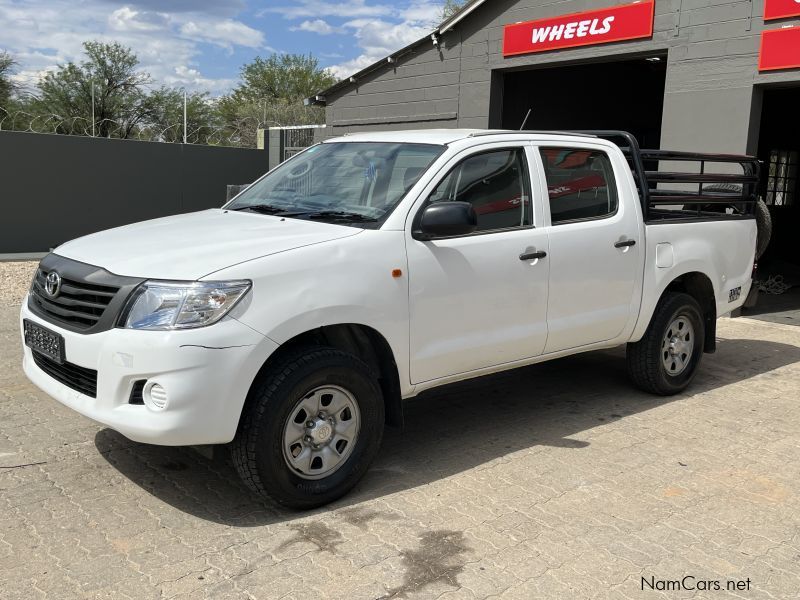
137, 393
80, 379
88, 280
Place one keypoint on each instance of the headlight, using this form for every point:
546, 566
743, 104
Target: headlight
180, 305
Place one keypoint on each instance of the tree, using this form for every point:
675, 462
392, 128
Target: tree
282, 77
451, 7
165, 116
271, 93
7, 86
120, 101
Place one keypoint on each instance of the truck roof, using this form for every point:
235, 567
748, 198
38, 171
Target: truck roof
441, 136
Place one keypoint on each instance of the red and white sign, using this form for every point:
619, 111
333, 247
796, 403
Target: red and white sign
780, 49
780, 9
615, 24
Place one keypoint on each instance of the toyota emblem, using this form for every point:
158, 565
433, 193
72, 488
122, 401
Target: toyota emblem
52, 284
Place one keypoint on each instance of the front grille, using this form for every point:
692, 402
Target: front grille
80, 379
89, 300
79, 304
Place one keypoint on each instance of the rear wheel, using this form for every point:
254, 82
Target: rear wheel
665, 360
312, 426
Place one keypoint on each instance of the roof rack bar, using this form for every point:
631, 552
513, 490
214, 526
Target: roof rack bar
665, 176
527, 132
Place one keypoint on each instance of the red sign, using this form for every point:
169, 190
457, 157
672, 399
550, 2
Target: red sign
780, 9
615, 24
780, 49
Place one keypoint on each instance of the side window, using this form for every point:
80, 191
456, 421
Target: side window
496, 183
580, 184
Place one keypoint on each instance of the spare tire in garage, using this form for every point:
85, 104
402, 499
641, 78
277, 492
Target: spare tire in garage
763, 218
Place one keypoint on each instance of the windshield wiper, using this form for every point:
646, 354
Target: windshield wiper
264, 209
339, 215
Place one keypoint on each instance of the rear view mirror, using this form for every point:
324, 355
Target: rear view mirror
446, 219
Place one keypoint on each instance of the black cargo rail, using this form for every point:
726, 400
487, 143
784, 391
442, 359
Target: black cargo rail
689, 194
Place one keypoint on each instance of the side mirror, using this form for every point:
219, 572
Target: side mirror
446, 219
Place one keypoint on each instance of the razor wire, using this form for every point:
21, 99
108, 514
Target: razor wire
242, 133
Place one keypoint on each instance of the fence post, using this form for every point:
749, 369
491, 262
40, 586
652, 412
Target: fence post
184, 116
275, 147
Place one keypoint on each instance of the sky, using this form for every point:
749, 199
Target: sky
202, 44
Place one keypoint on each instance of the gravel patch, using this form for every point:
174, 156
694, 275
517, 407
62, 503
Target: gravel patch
15, 279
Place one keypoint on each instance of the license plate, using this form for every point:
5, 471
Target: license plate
42, 340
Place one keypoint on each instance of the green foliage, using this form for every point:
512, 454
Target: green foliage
165, 116
451, 7
6, 85
285, 78
271, 94
120, 98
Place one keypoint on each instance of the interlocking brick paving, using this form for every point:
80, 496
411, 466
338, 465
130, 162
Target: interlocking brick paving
553, 481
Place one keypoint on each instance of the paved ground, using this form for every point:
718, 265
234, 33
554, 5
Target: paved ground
15, 279
782, 308
556, 481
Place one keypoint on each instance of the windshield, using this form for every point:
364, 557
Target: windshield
353, 183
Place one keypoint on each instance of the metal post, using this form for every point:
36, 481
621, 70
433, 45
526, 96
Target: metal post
184, 116
93, 119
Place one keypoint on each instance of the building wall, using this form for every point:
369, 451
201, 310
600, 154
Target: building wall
55, 188
712, 96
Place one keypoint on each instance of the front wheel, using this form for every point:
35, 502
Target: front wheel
665, 360
311, 428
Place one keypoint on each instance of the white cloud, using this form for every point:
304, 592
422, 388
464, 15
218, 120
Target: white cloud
423, 13
378, 38
126, 19
320, 8
316, 26
189, 78
225, 33
42, 35
209, 7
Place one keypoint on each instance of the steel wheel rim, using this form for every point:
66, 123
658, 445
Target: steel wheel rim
677, 346
321, 432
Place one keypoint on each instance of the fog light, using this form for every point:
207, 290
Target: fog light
157, 396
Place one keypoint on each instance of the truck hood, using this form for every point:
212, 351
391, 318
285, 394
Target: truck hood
195, 245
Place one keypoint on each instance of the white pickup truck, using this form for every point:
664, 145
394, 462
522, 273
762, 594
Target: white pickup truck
292, 322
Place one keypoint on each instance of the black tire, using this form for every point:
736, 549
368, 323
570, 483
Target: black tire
645, 365
257, 451
764, 224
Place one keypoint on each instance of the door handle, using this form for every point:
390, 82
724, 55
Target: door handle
625, 244
533, 255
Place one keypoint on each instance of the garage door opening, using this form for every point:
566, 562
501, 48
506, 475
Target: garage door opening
779, 151
626, 95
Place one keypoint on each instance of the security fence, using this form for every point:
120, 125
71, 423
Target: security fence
241, 132
285, 142
55, 188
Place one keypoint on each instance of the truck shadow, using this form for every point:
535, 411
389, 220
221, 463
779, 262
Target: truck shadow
447, 430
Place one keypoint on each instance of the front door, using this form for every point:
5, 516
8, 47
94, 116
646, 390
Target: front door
594, 249
474, 302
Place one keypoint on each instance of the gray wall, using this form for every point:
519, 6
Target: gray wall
712, 96
54, 188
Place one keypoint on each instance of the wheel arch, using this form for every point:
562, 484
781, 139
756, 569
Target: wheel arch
698, 285
361, 340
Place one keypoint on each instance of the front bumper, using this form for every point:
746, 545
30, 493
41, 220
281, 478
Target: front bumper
206, 373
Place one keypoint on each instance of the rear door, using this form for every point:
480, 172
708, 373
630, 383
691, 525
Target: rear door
594, 247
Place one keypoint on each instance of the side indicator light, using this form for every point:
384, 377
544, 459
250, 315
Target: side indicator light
397, 273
